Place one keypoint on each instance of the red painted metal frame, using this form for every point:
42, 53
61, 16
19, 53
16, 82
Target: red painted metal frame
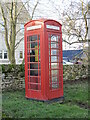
45, 93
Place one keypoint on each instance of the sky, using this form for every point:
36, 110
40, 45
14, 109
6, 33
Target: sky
53, 9
48, 8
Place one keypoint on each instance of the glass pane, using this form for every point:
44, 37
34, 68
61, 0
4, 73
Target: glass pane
27, 45
35, 86
34, 79
0, 55
54, 38
5, 55
28, 59
32, 56
54, 79
54, 52
34, 72
34, 66
54, 72
54, 86
54, 65
32, 38
54, 58
33, 45
28, 66
54, 45
55, 82
28, 72
34, 52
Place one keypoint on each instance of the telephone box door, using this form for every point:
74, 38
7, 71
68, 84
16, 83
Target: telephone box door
55, 65
34, 65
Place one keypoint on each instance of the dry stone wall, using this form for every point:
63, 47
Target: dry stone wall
72, 72
13, 78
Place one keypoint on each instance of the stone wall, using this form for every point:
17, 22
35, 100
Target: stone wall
13, 76
72, 72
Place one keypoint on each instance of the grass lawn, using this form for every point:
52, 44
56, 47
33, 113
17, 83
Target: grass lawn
76, 92
15, 105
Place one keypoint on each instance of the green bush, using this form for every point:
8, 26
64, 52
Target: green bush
10, 67
22, 69
7, 68
3, 68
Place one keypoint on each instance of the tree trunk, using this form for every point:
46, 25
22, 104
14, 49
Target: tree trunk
13, 43
11, 55
10, 23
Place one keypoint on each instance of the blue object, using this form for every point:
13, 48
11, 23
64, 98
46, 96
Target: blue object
71, 54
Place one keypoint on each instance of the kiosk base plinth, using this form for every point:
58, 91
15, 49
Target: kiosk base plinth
60, 100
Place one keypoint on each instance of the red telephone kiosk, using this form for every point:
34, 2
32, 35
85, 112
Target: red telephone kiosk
43, 60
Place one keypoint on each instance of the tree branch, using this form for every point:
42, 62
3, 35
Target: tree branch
34, 8
86, 27
19, 42
6, 30
21, 9
11, 22
85, 19
70, 43
7, 7
19, 30
2, 24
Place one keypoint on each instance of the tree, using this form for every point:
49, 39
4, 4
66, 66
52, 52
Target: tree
75, 24
10, 13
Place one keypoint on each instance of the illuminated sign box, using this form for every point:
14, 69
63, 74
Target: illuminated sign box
52, 27
33, 27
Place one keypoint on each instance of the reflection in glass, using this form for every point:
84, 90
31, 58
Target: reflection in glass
54, 86
33, 37
34, 72
34, 66
55, 72
54, 52
54, 58
54, 79
54, 65
54, 45
54, 38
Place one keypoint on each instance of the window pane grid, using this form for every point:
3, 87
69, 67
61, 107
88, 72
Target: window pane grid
33, 58
5, 55
0, 55
54, 52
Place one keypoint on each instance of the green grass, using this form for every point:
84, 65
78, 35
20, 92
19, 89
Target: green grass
76, 92
15, 105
